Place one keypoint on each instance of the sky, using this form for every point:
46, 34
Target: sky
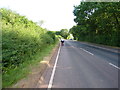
56, 14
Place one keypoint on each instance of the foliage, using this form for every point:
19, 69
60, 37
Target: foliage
63, 32
22, 39
97, 22
25, 69
70, 37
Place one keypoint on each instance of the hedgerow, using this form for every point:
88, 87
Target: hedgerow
21, 39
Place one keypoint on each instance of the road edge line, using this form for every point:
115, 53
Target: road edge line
53, 71
114, 65
103, 47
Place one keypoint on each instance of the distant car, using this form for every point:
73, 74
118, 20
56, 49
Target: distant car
70, 39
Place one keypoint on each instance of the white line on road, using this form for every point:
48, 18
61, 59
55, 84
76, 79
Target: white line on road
53, 71
114, 65
103, 48
87, 51
73, 46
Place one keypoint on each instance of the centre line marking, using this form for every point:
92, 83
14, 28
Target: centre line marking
73, 46
87, 51
53, 71
114, 65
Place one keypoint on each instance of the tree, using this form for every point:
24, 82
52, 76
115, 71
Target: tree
64, 33
41, 22
97, 22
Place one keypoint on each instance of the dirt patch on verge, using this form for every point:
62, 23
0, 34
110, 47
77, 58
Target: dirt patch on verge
36, 72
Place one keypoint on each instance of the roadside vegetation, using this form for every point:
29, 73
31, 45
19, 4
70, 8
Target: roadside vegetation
97, 22
24, 43
63, 33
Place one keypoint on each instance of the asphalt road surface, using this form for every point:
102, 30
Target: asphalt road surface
82, 65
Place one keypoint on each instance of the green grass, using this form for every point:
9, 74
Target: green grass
12, 76
0, 80
24, 43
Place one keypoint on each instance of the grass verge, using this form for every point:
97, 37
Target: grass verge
14, 75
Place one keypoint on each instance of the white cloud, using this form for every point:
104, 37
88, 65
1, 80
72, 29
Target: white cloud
57, 14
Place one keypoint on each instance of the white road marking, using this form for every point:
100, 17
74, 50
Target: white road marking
53, 71
73, 46
87, 51
103, 48
114, 65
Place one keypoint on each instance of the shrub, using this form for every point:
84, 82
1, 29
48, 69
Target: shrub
22, 39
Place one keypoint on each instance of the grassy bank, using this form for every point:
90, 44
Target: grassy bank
23, 43
24, 69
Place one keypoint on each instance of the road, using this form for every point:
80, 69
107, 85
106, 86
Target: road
81, 65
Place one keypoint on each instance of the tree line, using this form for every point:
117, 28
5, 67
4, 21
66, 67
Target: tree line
97, 22
63, 33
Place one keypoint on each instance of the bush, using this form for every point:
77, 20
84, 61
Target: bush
22, 39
